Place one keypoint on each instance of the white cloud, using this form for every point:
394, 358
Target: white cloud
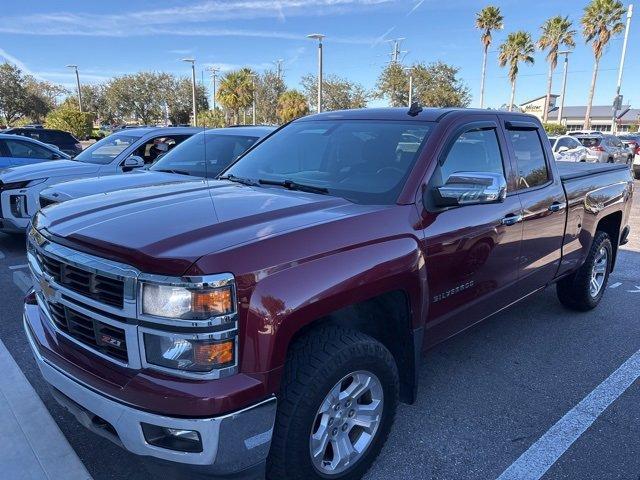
416, 6
18, 63
178, 20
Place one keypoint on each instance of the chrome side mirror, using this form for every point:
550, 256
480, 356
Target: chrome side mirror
471, 188
563, 149
134, 161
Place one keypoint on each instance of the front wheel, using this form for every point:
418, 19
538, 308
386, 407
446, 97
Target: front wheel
584, 289
336, 408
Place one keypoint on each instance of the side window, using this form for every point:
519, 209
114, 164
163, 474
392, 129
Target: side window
20, 149
473, 151
564, 142
532, 166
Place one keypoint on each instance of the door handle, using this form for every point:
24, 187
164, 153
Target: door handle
557, 206
511, 219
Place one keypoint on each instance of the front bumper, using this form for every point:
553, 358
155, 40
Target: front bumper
231, 443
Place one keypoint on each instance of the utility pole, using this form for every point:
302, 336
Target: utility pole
279, 67
564, 83
214, 72
192, 61
618, 100
75, 67
408, 70
395, 50
319, 37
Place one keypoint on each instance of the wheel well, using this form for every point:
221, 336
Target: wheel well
611, 225
387, 319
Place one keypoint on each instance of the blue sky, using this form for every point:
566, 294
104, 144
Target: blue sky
115, 37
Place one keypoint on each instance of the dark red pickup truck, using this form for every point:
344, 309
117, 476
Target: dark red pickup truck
274, 319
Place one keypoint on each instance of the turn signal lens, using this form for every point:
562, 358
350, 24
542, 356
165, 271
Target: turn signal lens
215, 302
214, 353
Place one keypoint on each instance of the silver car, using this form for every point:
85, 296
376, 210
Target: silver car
569, 149
604, 148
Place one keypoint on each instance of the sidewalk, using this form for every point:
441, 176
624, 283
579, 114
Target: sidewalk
32, 445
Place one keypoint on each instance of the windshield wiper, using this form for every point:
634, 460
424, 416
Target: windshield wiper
241, 180
291, 185
167, 170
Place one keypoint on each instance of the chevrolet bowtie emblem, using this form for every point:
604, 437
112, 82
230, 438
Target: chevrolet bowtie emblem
47, 290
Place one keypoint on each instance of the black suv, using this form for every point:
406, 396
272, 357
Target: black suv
59, 138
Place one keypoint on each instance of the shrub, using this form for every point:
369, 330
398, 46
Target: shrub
554, 129
79, 124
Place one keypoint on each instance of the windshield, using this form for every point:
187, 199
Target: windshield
362, 160
107, 149
590, 141
189, 157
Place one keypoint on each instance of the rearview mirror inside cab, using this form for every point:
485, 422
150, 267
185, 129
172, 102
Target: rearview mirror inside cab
471, 188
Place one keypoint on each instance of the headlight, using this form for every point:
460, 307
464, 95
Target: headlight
192, 355
171, 301
20, 185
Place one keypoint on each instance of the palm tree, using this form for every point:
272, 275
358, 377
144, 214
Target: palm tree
235, 91
488, 19
517, 48
291, 105
600, 22
556, 32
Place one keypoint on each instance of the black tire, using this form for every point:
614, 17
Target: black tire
315, 364
574, 291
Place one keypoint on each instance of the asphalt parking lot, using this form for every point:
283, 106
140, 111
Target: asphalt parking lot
527, 380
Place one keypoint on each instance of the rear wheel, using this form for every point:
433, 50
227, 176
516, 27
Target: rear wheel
336, 408
583, 289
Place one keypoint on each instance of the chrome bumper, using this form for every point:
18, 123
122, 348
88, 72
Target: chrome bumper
231, 443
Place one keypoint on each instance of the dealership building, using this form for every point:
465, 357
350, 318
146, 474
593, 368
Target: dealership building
573, 116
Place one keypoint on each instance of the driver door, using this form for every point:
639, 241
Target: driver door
471, 251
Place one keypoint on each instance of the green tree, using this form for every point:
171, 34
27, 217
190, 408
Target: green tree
393, 84
139, 96
72, 120
13, 94
556, 32
600, 21
555, 128
438, 85
42, 97
488, 19
517, 48
235, 91
211, 119
177, 92
337, 93
269, 87
291, 105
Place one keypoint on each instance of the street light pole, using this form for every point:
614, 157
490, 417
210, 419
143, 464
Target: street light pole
564, 83
214, 72
253, 97
624, 53
408, 70
319, 37
75, 67
192, 61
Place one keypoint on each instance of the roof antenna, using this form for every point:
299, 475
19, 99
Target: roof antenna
414, 109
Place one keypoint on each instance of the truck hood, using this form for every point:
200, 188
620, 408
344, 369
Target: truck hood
54, 168
110, 183
164, 229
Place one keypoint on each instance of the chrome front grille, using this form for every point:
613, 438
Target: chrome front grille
93, 285
107, 339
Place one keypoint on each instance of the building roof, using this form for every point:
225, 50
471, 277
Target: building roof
632, 115
597, 111
539, 98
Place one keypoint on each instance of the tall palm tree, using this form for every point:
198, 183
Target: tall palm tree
556, 32
235, 91
600, 22
488, 19
517, 48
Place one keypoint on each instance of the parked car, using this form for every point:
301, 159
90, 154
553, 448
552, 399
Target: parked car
117, 153
281, 312
189, 161
567, 148
15, 152
632, 141
604, 148
64, 141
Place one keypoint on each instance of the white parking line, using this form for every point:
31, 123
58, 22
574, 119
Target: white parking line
615, 285
539, 458
18, 267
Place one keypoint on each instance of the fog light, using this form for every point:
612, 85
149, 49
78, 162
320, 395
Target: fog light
172, 438
18, 206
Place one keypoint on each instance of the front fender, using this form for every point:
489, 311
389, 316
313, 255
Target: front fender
291, 299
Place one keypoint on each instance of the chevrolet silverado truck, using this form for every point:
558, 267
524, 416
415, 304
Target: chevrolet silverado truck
270, 322
20, 186
192, 160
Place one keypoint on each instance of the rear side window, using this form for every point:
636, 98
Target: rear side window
59, 137
532, 166
19, 149
473, 151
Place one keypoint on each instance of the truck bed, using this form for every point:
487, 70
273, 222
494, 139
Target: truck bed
573, 170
